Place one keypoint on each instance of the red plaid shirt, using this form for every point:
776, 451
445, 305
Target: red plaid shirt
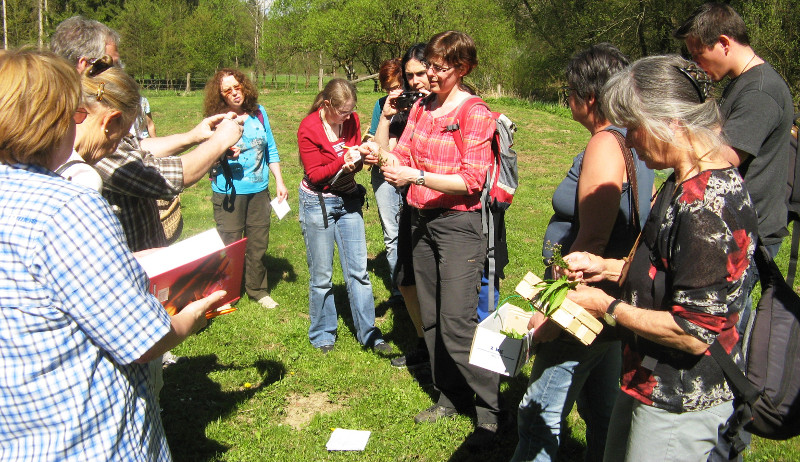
428, 146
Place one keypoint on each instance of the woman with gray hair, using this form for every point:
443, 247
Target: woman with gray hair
599, 207
684, 282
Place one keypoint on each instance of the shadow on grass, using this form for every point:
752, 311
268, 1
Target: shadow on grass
190, 401
279, 269
380, 266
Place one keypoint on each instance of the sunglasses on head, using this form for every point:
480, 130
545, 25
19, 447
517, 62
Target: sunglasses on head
98, 65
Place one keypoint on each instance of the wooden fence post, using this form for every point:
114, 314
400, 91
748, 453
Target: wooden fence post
188, 82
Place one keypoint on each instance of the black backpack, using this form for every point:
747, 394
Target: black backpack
767, 396
793, 199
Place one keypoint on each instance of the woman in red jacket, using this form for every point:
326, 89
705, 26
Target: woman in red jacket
330, 213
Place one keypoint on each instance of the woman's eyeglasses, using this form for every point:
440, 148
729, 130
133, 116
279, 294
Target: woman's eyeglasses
227, 92
343, 113
80, 115
437, 69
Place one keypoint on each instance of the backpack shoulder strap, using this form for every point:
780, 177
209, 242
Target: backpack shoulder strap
67, 165
260, 112
461, 112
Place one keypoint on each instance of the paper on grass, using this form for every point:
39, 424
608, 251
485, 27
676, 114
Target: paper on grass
348, 440
280, 208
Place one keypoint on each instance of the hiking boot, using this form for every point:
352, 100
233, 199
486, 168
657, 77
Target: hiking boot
482, 438
434, 413
325, 349
414, 359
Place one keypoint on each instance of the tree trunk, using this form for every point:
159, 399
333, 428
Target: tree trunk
41, 26
5, 27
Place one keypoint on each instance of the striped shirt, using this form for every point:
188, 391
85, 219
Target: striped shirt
75, 316
427, 145
132, 181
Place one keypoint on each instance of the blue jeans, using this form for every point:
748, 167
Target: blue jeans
346, 229
389, 203
563, 372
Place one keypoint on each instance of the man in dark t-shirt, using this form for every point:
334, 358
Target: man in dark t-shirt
757, 112
756, 107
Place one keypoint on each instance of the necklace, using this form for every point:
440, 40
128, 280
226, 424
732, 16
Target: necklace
748, 63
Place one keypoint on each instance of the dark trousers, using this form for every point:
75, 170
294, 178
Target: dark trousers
249, 217
449, 249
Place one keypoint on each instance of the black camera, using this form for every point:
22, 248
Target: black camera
405, 100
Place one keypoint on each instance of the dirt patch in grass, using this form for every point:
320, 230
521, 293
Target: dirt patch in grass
301, 409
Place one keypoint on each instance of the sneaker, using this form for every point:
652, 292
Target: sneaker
482, 437
434, 413
169, 359
414, 359
325, 349
267, 302
383, 348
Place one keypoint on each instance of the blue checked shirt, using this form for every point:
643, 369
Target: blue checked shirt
75, 315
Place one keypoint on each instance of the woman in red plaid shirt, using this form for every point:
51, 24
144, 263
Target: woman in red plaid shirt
449, 247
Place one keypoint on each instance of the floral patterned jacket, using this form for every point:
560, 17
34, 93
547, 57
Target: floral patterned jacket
692, 261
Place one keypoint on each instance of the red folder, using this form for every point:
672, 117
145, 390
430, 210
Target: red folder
214, 268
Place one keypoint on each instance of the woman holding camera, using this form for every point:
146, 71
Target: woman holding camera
449, 247
330, 215
240, 184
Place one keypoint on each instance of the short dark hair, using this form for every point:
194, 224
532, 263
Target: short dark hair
455, 48
709, 21
589, 70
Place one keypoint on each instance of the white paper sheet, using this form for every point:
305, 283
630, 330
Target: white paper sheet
348, 440
280, 208
181, 253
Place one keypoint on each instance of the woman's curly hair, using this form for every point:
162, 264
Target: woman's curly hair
214, 103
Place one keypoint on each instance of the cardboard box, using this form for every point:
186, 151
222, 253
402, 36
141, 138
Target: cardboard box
570, 316
195, 268
497, 352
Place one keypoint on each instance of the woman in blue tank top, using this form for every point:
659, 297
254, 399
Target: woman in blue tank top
594, 211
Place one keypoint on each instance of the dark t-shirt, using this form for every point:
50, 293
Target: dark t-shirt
757, 110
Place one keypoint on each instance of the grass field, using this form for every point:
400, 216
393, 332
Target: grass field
253, 389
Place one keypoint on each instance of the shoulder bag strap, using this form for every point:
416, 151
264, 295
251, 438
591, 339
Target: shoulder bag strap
67, 165
630, 169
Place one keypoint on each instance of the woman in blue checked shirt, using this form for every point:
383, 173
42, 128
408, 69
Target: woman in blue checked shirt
78, 325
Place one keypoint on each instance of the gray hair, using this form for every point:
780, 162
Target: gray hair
654, 94
79, 37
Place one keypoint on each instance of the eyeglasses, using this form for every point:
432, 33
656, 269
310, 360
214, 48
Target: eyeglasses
436, 68
700, 80
342, 113
229, 90
98, 65
80, 115
565, 91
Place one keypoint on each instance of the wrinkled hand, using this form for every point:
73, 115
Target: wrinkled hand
196, 311
592, 299
545, 330
227, 131
582, 266
399, 176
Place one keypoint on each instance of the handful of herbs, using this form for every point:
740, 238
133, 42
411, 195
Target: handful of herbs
554, 291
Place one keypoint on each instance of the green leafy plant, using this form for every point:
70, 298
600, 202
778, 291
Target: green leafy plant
554, 291
512, 334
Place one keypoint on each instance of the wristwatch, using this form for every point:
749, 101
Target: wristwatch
608, 316
420, 179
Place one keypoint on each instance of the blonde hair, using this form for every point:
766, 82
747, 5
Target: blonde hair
338, 92
39, 93
113, 89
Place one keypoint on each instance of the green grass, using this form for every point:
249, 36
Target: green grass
297, 395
